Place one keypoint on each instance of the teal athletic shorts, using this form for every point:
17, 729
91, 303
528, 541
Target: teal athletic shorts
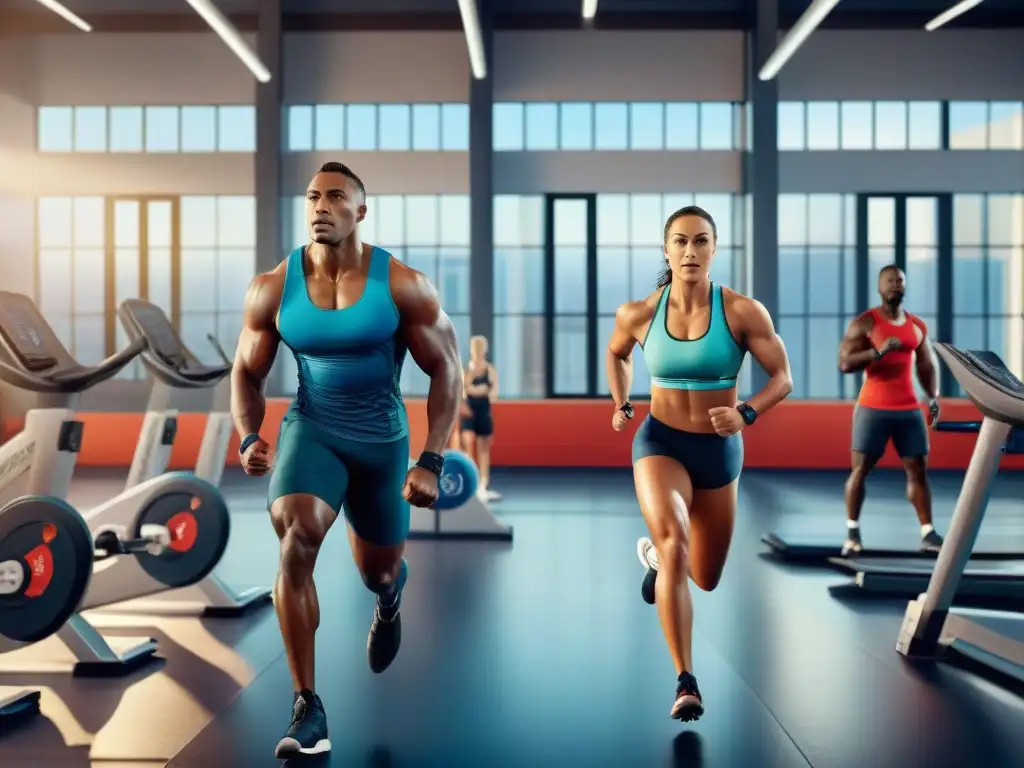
365, 478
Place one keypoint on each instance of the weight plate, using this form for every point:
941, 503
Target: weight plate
197, 517
52, 541
458, 482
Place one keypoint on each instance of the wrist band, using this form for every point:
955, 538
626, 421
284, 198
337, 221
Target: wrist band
248, 440
627, 409
432, 462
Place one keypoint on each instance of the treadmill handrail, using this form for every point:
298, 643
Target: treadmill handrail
195, 378
220, 350
74, 379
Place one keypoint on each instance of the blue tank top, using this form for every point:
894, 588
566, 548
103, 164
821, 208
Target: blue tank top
711, 362
349, 360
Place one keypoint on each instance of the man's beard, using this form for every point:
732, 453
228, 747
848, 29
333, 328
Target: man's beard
894, 300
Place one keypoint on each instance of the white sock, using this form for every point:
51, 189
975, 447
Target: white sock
853, 525
926, 529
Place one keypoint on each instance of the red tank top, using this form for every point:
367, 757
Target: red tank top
889, 381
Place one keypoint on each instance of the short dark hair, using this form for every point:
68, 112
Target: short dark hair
665, 276
344, 170
889, 268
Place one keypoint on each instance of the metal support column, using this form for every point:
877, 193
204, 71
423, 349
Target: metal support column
481, 192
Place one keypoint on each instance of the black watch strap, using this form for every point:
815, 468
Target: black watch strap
432, 462
627, 408
749, 414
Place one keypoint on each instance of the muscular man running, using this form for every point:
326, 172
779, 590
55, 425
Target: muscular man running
884, 342
348, 312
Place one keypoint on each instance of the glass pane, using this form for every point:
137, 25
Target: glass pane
878, 258
518, 281
90, 339
576, 126
856, 124
997, 337
1005, 224
824, 274
890, 125
925, 125
300, 130
453, 280
193, 328
520, 354
426, 127
126, 224
721, 271
198, 129
158, 223
968, 281
455, 127
613, 286
968, 219
793, 333
454, 214
361, 127
161, 129
1006, 125
390, 218
570, 222
968, 125
90, 281
646, 225
792, 133
611, 126
849, 219
716, 129
61, 324
508, 132
55, 280
824, 219
570, 355
850, 282
612, 219
541, 126
931, 322
720, 208
89, 222
125, 129
793, 277
421, 220
56, 129
922, 221
236, 221
681, 126
1005, 278
367, 228
792, 219
236, 128
126, 274
329, 127
460, 324
922, 280
55, 217
160, 278
229, 327
645, 265
881, 221
570, 279
824, 335
395, 127
90, 129
823, 125
198, 221
424, 260
198, 280
1014, 343
236, 268
646, 126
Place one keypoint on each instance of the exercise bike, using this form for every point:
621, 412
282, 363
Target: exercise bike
167, 532
175, 369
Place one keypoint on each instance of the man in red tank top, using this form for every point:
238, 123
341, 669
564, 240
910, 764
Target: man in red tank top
886, 342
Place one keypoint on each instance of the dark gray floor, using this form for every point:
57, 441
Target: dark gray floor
541, 653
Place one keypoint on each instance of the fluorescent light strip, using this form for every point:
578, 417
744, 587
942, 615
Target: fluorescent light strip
589, 9
65, 14
948, 15
474, 38
803, 28
227, 32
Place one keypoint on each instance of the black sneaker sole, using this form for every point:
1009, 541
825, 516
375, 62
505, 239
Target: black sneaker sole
289, 747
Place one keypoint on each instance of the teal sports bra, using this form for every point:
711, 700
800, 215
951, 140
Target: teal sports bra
711, 362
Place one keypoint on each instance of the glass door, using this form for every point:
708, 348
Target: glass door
143, 262
914, 232
571, 287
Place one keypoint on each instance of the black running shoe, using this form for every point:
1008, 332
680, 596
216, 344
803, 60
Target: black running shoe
385, 636
688, 704
852, 544
931, 542
648, 559
307, 735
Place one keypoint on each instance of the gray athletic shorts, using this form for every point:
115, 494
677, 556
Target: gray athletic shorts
873, 428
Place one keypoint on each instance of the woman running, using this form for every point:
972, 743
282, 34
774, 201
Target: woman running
688, 453
481, 381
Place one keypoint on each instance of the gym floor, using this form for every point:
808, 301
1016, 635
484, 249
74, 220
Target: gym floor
541, 652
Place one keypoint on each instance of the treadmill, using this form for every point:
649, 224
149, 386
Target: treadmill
930, 630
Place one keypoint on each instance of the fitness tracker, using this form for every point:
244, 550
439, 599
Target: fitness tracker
627, 408
432, 462
248, 440
749, 414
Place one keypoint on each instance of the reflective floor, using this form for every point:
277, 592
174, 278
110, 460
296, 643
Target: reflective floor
541, 653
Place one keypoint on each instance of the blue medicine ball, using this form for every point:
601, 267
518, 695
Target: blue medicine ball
459, 480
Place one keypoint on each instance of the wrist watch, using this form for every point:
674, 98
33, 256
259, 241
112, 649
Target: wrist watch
749, 414
627, 408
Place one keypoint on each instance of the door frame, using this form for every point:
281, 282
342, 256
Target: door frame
549, 292
110, 260
944, 255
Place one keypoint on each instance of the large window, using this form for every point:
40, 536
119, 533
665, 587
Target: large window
377, 127
986, 125
988, 275
230, 128
191, 256
429, 233
617, 126
817, 289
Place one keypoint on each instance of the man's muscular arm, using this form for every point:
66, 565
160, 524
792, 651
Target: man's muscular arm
855, 350
431, 341
257, 348
925, 361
